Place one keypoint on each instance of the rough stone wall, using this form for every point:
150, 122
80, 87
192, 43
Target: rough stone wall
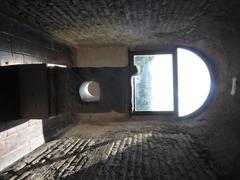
21, 132
113, 87
211, 27
217, 127
106, 21
24, 92
20, 137
33, 90
18, 141
102, 56
9, 93
113, 79
20, 44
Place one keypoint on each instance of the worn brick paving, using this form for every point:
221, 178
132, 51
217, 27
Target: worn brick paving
137, 155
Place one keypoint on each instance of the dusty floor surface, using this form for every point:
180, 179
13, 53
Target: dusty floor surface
133, 150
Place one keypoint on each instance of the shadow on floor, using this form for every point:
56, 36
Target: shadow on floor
144, 155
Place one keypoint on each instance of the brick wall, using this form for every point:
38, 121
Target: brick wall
20, 140
23, 136
123, 21
21, 44
113, 82
18, 136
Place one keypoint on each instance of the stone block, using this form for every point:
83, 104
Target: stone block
34, 131
5, 58
16, 45
3, 135
17, 59
31, 60
35, 122
14, 155
36, 142
5, 42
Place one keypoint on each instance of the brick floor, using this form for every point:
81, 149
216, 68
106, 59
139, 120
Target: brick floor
136, 155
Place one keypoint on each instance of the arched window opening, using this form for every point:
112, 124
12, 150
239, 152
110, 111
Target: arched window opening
178, 84
194, 82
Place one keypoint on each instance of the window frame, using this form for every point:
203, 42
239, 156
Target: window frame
213, 76
212, 72
175, 86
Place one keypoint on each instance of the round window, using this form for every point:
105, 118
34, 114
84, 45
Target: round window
89, 91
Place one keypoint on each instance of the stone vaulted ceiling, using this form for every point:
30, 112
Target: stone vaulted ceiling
117, 21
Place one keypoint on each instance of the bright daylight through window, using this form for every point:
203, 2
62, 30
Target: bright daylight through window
155, 75
153, 85
194, 82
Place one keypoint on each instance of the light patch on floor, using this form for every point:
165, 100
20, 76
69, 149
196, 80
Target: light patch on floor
131, 155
